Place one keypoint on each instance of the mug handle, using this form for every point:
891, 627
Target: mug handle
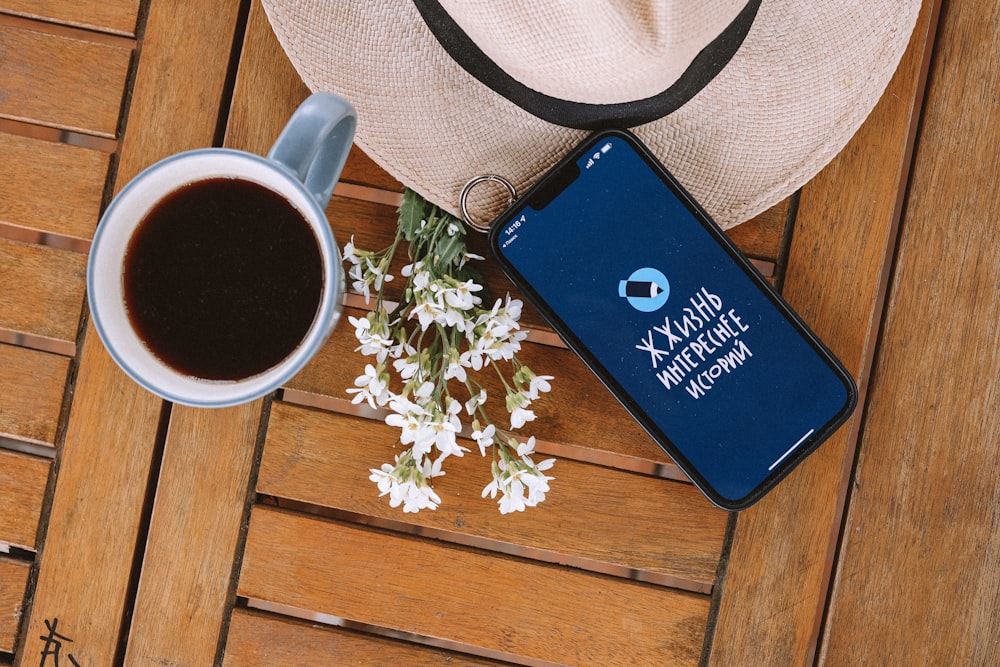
315, 142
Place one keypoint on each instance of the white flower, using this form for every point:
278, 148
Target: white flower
526, 448
521, 416
441, 333
455, 369
358, 282
521, 483
383, 477
421, 278
377, 272
466, 257
426, 313
517, 405
406, 483
539, 384
372, 332
475, 401
473, 358
425, 390
462, 295
408, 417
351, 253
371, 387
513, 498
496, 333
484, 437
443, 428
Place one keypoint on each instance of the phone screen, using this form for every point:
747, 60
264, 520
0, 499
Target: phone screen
678, 325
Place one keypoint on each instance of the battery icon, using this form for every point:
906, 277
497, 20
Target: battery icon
606, 147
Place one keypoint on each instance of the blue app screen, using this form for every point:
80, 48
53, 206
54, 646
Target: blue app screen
698, 346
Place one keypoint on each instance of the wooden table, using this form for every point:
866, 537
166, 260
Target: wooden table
138, 532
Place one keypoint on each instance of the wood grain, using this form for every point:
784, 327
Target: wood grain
51, 187
201, 496
258, 639
779, 567
31, 393
22, 490
13, 581
41, 290
265, 74
180, 82
93, 539
572, 420
202, 486
499, 606
761, 237
61, 82
89, 547
923, 527
667, 532
116, 16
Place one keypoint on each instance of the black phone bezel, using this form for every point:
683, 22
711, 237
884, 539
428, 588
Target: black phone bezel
554, 174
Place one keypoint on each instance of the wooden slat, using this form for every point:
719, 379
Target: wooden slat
61, 82
85, 573
180, 82
51, 187
204, 482
657, 530
780, 562
257, 639
362, 169
41, 290
572, 420
923, 528
264, 57
96, 512
116, 16
201, 497
31, 392
22, 489
501, 606
13, 581
761, 237
263, 63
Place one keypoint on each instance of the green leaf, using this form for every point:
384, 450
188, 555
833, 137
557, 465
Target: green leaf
445, 252
411, 213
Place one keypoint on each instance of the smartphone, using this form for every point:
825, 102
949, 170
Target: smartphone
636, 278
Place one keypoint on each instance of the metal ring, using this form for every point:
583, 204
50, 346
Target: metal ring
464, 197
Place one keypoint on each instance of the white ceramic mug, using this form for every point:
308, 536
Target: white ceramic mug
303, 167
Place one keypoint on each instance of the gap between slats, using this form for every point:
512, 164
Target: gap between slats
377, 631
492, 545
65, 30
282, 547
318, 464
644, 466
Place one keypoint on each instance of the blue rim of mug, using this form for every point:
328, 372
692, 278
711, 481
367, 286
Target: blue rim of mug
329, 309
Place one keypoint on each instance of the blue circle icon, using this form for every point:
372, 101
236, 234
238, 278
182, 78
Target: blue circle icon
645, 290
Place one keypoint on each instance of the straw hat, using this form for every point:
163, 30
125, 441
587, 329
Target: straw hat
744, 101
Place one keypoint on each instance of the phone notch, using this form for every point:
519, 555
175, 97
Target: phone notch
553, 186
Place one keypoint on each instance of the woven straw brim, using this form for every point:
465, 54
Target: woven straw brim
805, 78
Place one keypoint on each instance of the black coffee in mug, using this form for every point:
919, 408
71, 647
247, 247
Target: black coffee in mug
222, 279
